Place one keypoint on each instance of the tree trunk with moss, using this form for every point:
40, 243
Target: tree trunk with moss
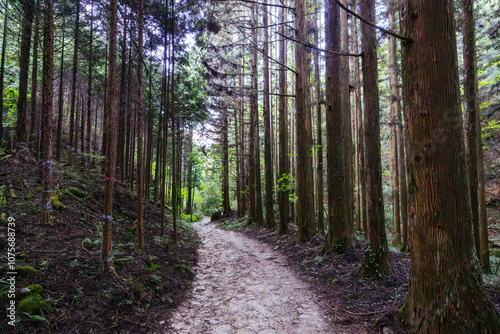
443, 251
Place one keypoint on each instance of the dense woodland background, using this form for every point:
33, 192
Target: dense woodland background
353, 127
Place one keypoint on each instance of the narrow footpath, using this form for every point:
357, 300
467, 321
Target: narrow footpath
243, 286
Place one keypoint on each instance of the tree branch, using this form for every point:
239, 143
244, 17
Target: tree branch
387, 31
309, 45
261, 4
265, 55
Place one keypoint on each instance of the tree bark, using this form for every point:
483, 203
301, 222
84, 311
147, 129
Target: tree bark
319, 133
2, 68
61, 100
35, 117
89, 86
24, 61
174, 153
305, 215
140, 106
346, 119
376, 262
252, 138
337, 238
165, 99
225, 165
45, 164
72, 143
284, 161
120, 160
267, 114
189, 204
442, 246
107, 239
394, 111
473, 132
360, 127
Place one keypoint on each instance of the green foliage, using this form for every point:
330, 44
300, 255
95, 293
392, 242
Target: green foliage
229, 225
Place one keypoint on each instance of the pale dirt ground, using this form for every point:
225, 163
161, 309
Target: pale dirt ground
243, 286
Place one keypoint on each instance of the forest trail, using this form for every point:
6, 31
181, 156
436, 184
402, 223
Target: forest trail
243, 286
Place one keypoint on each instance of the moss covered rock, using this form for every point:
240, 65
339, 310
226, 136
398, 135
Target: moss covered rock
56, 203
25, 271
36, 289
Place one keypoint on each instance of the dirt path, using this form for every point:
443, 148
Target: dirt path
243, 286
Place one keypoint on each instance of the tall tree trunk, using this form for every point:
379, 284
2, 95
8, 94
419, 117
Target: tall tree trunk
165, 99
107, 239
473, 132
72, 143
254, 162
120, 161
394, 111
483, 218
319, 132
127, 161
149, 142
82, 126
174, 167
239, 173
77, 124
360, 127
243, 175
24, 61
35, 116
61, 100
337, 238
45, 164
2, 67
376, 262
225, 165
189, 204
346, 119
442, 245
284, 163
89, 85
305, 217
268, 150
140, 106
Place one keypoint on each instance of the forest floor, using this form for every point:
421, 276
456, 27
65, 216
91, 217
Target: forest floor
75, 295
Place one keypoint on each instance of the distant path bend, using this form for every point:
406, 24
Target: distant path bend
243, 286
